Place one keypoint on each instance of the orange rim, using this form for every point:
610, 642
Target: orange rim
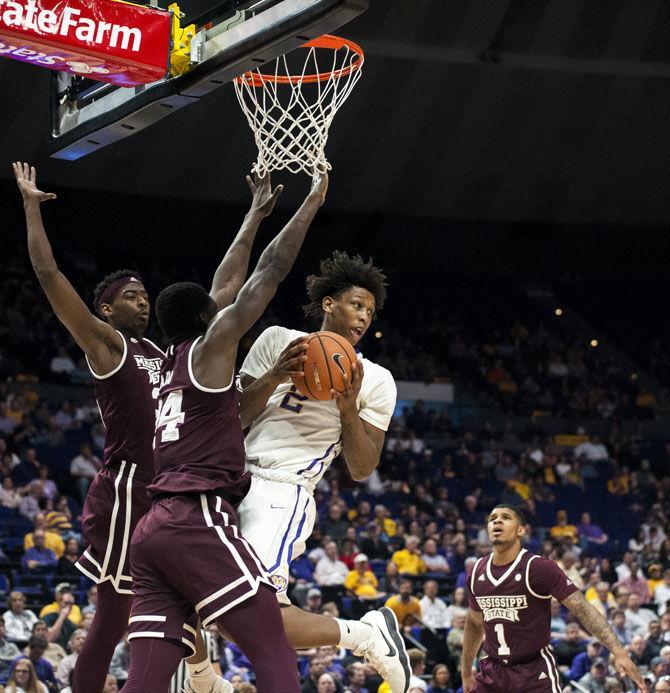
257, 79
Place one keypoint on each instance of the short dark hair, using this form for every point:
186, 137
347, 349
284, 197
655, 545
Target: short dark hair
107, 281
38, 641
514, 508
340, 272
178, 310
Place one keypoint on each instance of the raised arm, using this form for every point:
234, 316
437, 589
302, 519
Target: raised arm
596, 624
214, 357
473, 636
99, 341
231, 273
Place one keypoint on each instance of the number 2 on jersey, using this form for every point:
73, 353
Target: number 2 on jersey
503, 650
170, 417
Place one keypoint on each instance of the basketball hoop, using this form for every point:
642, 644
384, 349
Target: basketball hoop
290, 111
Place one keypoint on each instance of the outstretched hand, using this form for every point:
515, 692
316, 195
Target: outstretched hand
26, 179
319, 186
626, 668
264, 198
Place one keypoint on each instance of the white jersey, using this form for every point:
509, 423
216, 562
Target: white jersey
299, 436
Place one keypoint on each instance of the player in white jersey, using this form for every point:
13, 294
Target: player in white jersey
292, 441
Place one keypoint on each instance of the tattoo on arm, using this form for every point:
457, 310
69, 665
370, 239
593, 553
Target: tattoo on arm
593, 621
473, 637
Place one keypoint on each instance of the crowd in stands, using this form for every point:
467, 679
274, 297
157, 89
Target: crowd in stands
405, 538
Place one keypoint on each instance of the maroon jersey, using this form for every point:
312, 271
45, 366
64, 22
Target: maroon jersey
516, 602
127, 398
198, 445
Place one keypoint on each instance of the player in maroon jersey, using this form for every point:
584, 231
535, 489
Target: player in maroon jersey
187, 557
510, 593
126, 369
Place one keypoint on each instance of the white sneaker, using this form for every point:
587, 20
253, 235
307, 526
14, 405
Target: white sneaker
385, 649
219, 686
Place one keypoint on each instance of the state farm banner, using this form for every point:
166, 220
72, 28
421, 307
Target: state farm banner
106, 40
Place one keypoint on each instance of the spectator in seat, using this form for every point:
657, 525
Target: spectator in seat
458, 604
373, 544
18, 620
55, 606
66, 666
618, 623
655, 579
314, 601
92, 600
54, 652
568, 564
356, 678
433, 610
440, 680
9, 496
655, 641
592, 450
387, 526
29, 505
570, 646
39, 559
603, 599
59, 520
591, 535
46, 487
83, 468
434, 562
638, 651
8, 652
417, 663
28, 469
558, 624
472, 516
409, 560
317, 668
52, 540
24, 679
60, 625
455, 636
594, 679
330, 570
121, 661
406, 608
390, 583
636, 584
361, 581
562, 529
335, 525
638, 618
623, 569
43, 669
583, 662
67, 562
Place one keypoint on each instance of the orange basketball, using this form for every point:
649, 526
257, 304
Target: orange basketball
329, 357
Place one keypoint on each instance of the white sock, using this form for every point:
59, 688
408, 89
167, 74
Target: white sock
203, 680
353, 633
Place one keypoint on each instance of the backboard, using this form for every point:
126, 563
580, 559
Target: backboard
226, 39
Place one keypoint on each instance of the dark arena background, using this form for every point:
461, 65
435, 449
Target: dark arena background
507, 163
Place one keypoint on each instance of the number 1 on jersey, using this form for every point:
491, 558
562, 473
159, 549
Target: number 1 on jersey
170, 417
503, 650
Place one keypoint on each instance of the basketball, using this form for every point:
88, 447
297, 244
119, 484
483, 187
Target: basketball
329, 358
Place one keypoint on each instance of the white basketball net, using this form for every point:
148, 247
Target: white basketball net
290, 113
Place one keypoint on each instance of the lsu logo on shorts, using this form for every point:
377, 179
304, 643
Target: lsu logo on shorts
280, 582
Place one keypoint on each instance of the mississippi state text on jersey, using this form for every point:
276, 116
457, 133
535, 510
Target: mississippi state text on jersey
515, 600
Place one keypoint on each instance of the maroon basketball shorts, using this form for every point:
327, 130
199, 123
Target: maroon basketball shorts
188, 560
538, 675
114, 505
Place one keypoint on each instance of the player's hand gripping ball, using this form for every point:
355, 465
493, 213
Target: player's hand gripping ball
330, 357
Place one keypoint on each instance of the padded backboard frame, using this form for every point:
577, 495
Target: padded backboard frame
85, 121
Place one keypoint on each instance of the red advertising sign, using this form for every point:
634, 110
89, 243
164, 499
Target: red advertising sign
106, 40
